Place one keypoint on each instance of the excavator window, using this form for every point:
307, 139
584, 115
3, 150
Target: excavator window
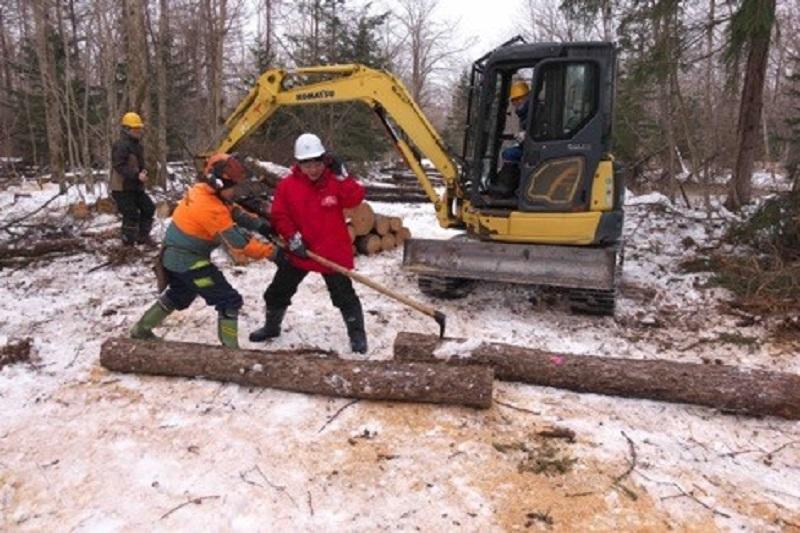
566, 99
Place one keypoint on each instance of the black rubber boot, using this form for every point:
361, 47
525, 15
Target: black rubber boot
354, 320
506, 182
144, 234
271, 327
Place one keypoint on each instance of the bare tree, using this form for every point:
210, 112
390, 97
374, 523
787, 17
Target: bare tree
162, 59
545, 20
430, 44
52, 97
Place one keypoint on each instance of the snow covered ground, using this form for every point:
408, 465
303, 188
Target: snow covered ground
84, 449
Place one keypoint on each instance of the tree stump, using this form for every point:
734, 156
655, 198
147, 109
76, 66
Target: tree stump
301, 372
362, 218
750, 392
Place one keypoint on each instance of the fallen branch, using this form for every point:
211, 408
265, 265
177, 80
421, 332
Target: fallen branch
631, 466
196, 501
337, 413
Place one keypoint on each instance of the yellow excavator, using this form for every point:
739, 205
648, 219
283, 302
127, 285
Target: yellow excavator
551, 216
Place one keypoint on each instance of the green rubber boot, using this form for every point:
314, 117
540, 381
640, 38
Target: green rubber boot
228, 331
151, 318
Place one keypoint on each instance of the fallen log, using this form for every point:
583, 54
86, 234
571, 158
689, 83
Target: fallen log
750, 392
287, 370
38, 249
393, 197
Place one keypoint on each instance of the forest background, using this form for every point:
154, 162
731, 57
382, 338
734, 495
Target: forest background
705, 90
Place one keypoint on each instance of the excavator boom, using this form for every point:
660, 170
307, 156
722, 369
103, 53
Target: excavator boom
381, 91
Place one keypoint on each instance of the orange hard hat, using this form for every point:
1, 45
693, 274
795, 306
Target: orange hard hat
226, 167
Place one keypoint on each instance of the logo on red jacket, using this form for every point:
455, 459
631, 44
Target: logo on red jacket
329, 201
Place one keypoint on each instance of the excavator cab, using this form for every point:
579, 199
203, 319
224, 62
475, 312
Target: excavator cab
542, 204
560, 142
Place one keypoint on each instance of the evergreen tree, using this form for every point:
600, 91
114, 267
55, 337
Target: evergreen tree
456, 120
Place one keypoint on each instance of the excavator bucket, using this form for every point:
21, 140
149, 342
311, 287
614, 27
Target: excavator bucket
570, 267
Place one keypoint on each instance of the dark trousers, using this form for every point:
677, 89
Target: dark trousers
137, 211
207, 282
279, 293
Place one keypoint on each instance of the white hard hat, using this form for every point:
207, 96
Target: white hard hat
308, 146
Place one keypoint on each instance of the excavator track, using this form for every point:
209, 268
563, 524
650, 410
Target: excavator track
445, 288
592, 301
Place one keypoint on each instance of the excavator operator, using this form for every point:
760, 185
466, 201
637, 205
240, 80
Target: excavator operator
507, 179
202, 221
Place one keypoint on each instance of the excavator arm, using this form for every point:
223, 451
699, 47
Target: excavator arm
381, 91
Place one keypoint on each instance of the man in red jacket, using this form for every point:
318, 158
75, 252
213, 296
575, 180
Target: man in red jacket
307, 211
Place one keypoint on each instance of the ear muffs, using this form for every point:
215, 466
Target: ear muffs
225, 171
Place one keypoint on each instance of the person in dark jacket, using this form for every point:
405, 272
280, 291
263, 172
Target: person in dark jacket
204, 219
128, 179
307, 212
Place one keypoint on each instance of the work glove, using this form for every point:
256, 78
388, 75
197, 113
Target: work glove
279, 257
337, 166
264, 228
297, 246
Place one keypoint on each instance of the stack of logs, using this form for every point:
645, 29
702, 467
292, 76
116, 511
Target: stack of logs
372, 233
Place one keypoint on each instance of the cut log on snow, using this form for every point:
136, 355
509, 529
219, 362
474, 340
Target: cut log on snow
751, 392
373, 380
369, 244
393, 197
362, 218
402, 235
382, 225
395, 223
388, 242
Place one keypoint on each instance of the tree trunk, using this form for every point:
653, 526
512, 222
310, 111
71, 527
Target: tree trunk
138, 77
711, 135
52, 99
372, 380
747, 130
5, 69
752, 392
161, 93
